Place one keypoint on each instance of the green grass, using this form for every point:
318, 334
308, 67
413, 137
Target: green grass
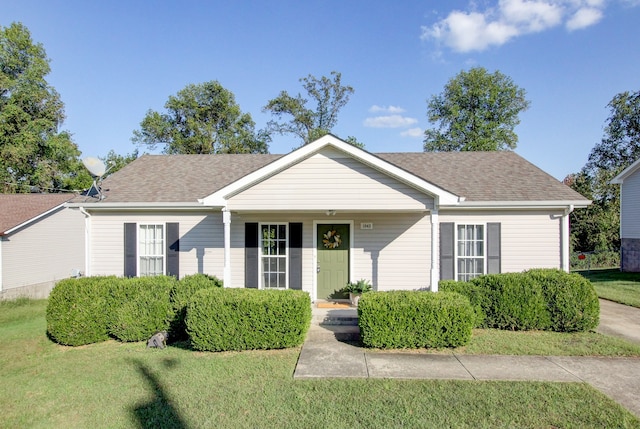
125, 385
614, 285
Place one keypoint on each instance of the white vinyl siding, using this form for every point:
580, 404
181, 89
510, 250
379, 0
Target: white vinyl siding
330, 180
529, 239
395, 254
630, 206
201, 240
43, 252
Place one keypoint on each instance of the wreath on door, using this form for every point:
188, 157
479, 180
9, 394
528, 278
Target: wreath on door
331, 239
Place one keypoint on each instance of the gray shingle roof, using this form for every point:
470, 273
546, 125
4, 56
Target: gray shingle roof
484, 176
476, 176
16, 209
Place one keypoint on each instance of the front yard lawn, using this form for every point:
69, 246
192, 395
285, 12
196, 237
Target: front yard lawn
125, 385
614, 285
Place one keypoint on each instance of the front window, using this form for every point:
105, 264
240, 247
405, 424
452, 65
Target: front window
470, 245
273, 239
151, 250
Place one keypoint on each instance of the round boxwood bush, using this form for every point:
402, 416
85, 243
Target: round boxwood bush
77, 311
572, 300
140, 307
247, 319
516, 302
412, 319
181, 294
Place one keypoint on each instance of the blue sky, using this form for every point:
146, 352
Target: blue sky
112, 61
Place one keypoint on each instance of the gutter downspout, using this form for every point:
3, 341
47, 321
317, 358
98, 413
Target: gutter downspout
87, 242
435, 247
565, 249
1, 241
226, 220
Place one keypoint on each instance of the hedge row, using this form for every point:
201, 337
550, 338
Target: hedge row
541, 299
246, 319
411, 319
93, 309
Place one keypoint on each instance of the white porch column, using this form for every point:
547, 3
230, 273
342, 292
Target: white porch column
226, 220
87, 242
435, 250
565, 263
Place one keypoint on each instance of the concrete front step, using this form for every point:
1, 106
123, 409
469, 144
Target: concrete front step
330, 316
333, 332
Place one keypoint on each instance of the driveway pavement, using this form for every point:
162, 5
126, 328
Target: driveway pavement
619, 378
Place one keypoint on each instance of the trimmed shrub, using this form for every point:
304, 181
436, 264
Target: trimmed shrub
181, 294
412, 319
246, 319
77, 311
572, 300
139, 307
479, 300
515, 302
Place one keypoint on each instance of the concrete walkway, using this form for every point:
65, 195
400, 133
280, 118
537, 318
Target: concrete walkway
332, 349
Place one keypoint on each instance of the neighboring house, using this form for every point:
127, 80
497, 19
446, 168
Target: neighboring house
629, 181
328, 213
41, 242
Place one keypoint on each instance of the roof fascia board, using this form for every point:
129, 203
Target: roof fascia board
625, 173
560, 204
33, 219
219, 197
135, 206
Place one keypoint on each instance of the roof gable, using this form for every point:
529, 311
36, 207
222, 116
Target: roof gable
219, 197
626, 173
329, 180
17, 210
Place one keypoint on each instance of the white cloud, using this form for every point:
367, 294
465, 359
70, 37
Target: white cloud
389, 121
583, 18
391, 109
412, 132
465, 31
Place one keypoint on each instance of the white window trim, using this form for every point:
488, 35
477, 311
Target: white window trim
484, 245
261, 255
164, 246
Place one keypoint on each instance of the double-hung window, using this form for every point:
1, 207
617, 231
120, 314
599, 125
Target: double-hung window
274, 261
470, 251
151, 250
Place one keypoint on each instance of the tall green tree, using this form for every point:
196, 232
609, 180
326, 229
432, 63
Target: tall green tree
34, 152
201, 119
598, 227
326, 95
477, 111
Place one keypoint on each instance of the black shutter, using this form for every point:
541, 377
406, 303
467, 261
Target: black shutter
447, 251
493, 248
295, 256
173, 249
251, 255
130, 249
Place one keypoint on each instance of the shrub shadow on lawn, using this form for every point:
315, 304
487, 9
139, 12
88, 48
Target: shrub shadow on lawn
159, 412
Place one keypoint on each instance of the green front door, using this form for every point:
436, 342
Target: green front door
333, 259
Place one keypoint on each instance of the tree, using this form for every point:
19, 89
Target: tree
477, 111
620, 146
33, 152
201, 119
115, 162
308, 124
598, 227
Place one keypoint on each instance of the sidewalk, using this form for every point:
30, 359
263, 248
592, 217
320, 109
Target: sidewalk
332, 350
